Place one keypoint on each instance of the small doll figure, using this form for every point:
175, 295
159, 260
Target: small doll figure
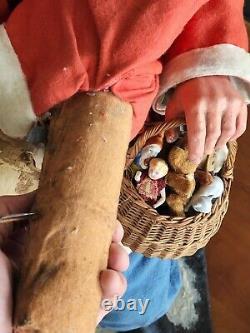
202, 200
151, 149
151, 185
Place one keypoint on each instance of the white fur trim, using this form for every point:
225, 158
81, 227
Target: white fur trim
221, 59
16, 113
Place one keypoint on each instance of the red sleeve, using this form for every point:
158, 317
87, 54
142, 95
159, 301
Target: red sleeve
67, 46
139, 89
216, 22
213, 42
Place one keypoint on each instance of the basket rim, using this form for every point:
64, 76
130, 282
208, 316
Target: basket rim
175, 221
152, 130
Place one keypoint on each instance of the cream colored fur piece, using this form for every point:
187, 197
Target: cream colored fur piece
222, 59
16, 112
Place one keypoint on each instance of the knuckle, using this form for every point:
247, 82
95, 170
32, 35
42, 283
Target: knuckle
228, 131
197, 130
199, 105
236, 103
195, 111
213, 132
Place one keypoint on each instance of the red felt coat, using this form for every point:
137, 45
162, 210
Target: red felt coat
58, 47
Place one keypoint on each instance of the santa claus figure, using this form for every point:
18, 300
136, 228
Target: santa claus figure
178, 56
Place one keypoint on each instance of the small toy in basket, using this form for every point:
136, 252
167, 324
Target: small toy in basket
176, 211
151, 149
151, 185
189, 186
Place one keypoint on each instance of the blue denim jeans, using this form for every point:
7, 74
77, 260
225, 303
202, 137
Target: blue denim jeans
155, 282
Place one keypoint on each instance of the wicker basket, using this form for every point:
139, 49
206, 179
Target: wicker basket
161, 236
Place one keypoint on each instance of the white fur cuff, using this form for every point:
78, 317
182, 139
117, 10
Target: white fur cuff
221, 59
16, 113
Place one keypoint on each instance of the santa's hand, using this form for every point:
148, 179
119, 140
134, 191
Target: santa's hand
214, 110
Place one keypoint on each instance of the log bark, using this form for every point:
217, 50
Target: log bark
67, 247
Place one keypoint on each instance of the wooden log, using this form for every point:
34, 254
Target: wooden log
67, 247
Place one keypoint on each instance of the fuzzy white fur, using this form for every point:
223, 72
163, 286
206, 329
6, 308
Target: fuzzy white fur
221, 59
16, 112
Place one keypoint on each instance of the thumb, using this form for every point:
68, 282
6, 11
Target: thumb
173, 109
12, 241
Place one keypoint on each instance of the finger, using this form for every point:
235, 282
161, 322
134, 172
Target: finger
228, 127
241, 123
118, 233
118, 258
196, 130
112, 283
213, 130
173, 110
